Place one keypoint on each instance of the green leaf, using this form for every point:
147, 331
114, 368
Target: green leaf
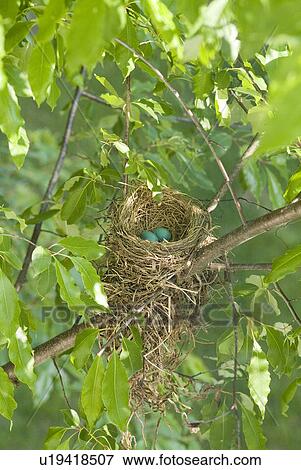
54, 437
3, 79
10, 117
71, 418
91, 396
11, 124
94, 24
124, 58
225, 343
19, 148
285, 264
202, 83
121, 147
40, 70
275, 190
294, 187
75, 203
106, 84
288, 395
53, 12
7, 401
163, 21
252, 430
83, 347
41, 259
222, 108
281, 123
115, 392
12, 259
9, 10
90, 249
253, 178
91, 280
221, 430
279, 350
259, 378
46, 280
9, 307
132, 354
53, 95
69, 291
16, 34
11, 215
21, 355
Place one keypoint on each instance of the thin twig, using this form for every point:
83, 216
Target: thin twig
287, 302
235, 320
90, 96
62, 383
250, 150
195, 121
241, 266
127, 116
50, 188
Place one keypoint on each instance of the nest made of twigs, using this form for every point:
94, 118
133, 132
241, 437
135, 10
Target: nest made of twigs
151, 280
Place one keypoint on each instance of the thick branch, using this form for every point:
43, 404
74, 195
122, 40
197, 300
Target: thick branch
49, 191
55, 346
244, 233
65, 341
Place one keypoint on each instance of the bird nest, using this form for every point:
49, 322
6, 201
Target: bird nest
147, 282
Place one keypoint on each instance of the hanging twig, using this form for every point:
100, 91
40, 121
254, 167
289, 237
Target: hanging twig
235, 319
195, 121
287, 302
62, 383
50, 188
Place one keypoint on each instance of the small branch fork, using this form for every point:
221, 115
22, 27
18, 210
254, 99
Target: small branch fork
195, 121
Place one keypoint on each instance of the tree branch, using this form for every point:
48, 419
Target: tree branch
244, 233
250, 150
51, 185
65, 340
195, 121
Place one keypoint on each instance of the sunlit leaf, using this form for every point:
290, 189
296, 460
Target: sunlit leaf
87, 248
285, 264
40, 70
21, 355
259, 378
7, 401
83, 347
93, 25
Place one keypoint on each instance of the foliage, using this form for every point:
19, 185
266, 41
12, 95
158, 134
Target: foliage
236, 64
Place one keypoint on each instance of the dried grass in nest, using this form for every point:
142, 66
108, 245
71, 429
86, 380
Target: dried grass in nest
150, 279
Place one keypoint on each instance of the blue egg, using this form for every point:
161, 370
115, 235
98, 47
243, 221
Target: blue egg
149, 236
163, 234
